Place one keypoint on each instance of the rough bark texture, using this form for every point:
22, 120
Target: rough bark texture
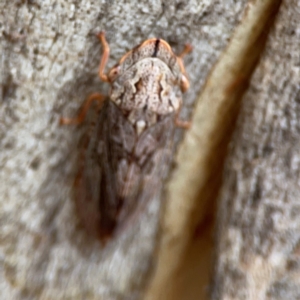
195, 182
49, 65
258, 221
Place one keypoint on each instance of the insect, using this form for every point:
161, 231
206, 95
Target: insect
124, 161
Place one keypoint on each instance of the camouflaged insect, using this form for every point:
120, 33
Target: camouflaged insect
125, 160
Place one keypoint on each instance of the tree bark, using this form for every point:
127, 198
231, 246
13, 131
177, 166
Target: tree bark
49, 63
196, 181
258, 223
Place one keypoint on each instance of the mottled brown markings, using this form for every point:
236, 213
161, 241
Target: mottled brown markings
170, 103
125, 160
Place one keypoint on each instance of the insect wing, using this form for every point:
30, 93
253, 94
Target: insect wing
121, 171
95, 179
152, 156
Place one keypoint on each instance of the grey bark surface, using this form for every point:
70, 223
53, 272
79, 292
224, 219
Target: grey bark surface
49, 61
258, 220
185, 251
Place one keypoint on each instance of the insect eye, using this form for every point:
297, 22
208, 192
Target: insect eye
114, 72
184, 83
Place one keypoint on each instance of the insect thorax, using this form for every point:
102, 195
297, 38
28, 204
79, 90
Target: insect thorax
145, 91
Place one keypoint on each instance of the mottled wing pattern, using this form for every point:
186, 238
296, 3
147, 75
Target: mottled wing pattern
122, 170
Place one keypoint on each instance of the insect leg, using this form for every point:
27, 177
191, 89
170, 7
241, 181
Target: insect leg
187, 49
84, 109
184, 85
180, 123
104, 58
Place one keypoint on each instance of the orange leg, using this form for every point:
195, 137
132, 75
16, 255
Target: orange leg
104, 58
187, 49
184, 81
180, 123
83, 111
